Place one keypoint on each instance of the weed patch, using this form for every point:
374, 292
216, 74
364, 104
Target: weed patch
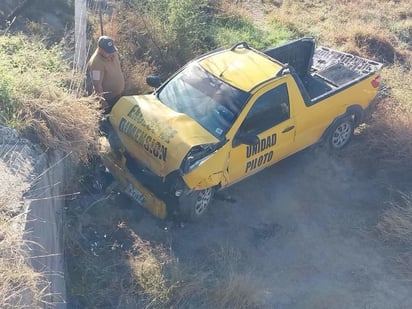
231, 30
36, 99
158, 37
377, 47
396, 223
234, 287
60, 121
396, 226
147, 263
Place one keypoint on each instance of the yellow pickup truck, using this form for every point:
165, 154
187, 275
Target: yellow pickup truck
229, 114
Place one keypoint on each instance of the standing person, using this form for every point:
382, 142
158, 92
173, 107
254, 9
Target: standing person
106, 73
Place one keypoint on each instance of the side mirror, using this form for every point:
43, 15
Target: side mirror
247, 139
153, 81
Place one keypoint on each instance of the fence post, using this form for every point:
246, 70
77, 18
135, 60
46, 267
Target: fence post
80, 54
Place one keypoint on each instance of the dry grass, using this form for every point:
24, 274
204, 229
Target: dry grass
338, 23
138, 55
236, 286
38, 97
235, 8
63, 122
147, 263
135, 75
396, 226
388, 137
164, 281
191, 286
20, 285
238, 291
405, 262
396, 223
220, 281
148, 47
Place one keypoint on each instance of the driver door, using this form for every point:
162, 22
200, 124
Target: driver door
265, 136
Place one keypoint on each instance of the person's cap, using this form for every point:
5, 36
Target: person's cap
107, 44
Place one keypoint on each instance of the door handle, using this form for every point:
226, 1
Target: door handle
288, 129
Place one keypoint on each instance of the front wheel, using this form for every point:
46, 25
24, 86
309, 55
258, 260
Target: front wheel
341, 133
194, 204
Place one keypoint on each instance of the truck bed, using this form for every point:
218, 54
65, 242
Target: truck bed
322, 70
339, 68
332, 70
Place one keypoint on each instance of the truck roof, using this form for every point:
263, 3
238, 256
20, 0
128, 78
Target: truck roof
241, 67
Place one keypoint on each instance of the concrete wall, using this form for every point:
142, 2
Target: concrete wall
34, 181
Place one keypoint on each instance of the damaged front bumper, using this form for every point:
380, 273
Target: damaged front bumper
116, 164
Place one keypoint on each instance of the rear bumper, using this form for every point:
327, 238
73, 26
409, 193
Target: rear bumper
129, 184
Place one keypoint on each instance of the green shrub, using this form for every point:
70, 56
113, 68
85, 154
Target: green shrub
36, 99
165, 34
8, 107
27, 69
175, 31
230, 30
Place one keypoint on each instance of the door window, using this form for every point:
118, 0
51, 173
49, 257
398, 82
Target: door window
270, 109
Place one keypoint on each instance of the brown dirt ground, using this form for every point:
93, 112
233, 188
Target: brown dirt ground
301, 233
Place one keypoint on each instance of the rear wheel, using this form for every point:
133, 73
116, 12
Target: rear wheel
194, 204
341, 133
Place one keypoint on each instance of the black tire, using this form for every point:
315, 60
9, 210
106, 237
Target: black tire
341, 133
194, 204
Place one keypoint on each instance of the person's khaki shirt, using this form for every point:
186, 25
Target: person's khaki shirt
108, 72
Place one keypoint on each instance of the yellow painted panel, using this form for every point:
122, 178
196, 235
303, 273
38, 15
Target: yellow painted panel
242, 68
155, 135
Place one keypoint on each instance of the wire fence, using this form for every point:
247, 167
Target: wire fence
84, 41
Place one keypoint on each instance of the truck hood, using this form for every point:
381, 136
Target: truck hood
155, 135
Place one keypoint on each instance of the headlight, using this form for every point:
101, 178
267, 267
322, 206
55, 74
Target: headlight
196, 156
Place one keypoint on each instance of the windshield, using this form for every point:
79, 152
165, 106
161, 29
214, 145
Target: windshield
214, 104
